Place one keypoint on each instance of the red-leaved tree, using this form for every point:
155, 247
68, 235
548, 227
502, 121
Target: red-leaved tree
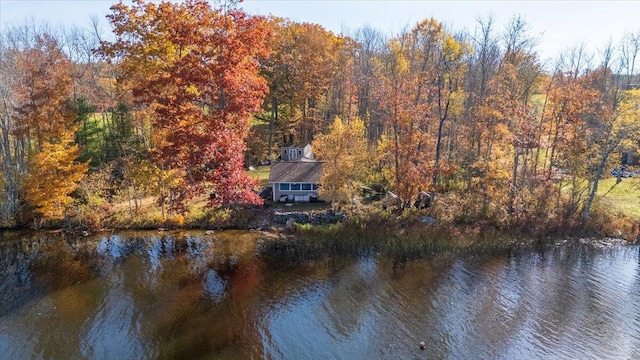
195, 68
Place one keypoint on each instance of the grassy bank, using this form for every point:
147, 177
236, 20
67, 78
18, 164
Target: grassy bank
368, 229
622, 199
402, 237
399, 238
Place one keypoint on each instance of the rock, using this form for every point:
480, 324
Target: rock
291, 223
428, 220
316, 218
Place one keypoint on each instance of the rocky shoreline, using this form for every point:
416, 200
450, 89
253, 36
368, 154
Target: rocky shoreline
309, 217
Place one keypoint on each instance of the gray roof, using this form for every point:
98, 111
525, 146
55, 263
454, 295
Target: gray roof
295, 171
295, 146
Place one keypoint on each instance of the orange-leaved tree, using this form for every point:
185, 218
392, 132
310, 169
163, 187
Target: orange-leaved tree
195, 69
54, 175
46, 129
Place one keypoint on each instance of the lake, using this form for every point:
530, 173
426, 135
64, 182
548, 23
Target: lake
187, 295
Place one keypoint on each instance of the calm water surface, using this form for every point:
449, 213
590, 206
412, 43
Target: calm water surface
191, 296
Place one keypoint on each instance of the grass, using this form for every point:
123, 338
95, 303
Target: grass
624, 197
401, 239
262, 174
302, 206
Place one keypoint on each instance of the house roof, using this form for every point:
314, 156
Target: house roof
295, 171
295, 146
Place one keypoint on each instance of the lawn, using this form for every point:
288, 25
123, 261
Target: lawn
623, 197
262, 174
302, 206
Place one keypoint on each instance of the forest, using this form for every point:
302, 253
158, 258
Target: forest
180, 99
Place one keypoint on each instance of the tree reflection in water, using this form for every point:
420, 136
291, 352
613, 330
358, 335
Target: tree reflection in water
190, 295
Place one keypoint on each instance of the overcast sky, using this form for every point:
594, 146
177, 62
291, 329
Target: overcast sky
558, 24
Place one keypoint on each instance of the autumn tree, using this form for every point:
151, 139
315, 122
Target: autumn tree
195, 69
513, 133
44, 103
449, 93
9, 80
47, 115
306, 78
346, 158
54, 175
282, 72
38, 120
481, 66
368, 45
418, 91
504, 139
615, 124
317, 50
403, 145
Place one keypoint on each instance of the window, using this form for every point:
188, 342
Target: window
315, 186
306, 186
299, 152
284, 186
295, 186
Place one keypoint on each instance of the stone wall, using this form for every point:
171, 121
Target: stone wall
314, 217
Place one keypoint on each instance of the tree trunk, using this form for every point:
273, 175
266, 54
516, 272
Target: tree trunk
273, 120
11, 186
436, 164
514, 183
594, 189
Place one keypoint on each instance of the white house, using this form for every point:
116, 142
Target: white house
296, 177
296, 152
295, 180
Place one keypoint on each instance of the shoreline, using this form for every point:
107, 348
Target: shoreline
399, 238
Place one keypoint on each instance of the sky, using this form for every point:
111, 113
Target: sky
559, 25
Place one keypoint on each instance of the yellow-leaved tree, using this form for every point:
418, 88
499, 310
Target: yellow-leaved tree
345, 154
54, 175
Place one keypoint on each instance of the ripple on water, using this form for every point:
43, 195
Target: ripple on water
151, 297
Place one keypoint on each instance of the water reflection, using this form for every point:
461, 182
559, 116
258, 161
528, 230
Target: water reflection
190, 295
214, 286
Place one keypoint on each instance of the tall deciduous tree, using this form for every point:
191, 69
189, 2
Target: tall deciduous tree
9, 80
196, 69
44, 97
616, 120
44, 127
344, 152
419, 85
404, 147
304, 75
